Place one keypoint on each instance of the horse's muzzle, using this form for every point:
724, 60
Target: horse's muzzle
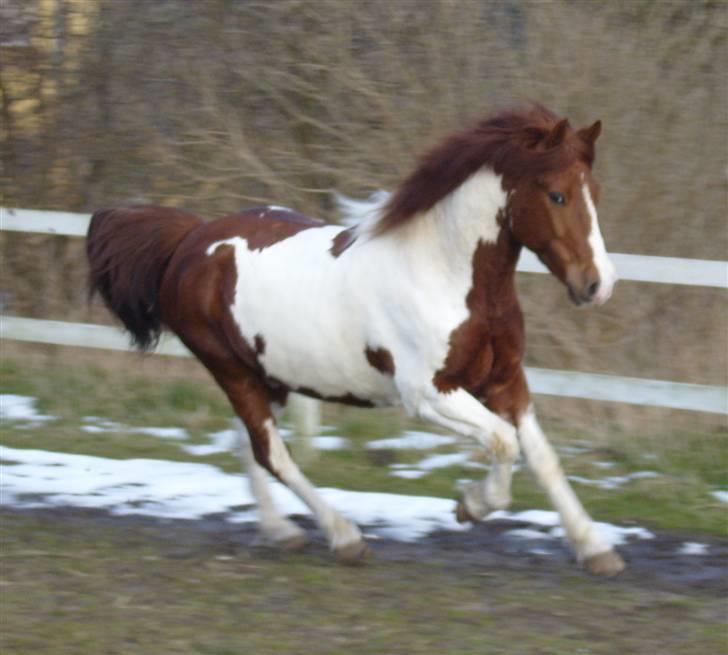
586, 289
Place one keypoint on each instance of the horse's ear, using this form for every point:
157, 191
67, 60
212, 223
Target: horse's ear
557, 134
590, 134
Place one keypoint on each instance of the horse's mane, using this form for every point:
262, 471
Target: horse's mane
513, 143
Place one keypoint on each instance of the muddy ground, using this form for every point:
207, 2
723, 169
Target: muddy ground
83, 581
651, 563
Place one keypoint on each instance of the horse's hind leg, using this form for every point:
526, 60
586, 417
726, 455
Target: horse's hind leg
344, 537
251, 402
274, 527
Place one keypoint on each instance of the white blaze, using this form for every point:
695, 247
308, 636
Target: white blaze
605, 268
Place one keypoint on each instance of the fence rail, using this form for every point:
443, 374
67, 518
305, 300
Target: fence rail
638, 268
612, 388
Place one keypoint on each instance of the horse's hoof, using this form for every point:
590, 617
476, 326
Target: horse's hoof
353, 554
462, 515
606, 564
292, 544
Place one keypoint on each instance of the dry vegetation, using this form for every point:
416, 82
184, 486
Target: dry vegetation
213, 106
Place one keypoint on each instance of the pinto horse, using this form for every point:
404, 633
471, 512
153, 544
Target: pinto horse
415, 306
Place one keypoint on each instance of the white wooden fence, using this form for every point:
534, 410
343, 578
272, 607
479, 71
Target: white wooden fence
640, 268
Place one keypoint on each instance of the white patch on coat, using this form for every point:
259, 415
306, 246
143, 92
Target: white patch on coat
604, 265
404, 291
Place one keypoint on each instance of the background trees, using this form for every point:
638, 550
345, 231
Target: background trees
219, 104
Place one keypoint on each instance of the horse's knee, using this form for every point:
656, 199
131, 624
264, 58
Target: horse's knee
504, 442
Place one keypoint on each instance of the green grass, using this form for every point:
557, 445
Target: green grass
77, 584
690, 466
70, 586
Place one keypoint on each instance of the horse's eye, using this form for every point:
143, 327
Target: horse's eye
557, 198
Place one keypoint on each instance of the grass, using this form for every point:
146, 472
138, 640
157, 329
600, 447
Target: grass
71, 586
689, 466
74, 583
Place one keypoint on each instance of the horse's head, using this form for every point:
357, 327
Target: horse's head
552, 211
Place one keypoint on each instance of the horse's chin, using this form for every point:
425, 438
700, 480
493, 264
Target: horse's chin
575, 299
596, 301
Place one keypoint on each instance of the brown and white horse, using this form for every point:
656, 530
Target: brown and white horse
415, 305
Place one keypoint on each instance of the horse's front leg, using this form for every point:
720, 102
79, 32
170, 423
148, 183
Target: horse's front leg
481, 497
596, 553
461, 412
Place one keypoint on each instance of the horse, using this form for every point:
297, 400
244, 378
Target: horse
414, 305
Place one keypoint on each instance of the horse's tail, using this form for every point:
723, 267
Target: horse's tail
128, 251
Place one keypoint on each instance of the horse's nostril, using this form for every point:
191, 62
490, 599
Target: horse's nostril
592, 289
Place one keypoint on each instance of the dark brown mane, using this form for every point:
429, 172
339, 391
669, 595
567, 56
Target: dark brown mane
513, 143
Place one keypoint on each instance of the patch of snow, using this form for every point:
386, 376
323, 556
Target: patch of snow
330, 443
643, 475
692, 548
605, 465
408, 474
224, 441
21, 408
614, 534
412, 440
479, 466
135, 486
442, 461
603, 483
573, 450
540, 517
614, 481
183, 490
163, 433
103, 426
422, 468
99, 425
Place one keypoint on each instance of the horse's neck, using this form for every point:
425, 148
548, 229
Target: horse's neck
464, 236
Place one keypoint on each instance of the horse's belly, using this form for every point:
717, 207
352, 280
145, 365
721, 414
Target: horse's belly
313, 345
330, 368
